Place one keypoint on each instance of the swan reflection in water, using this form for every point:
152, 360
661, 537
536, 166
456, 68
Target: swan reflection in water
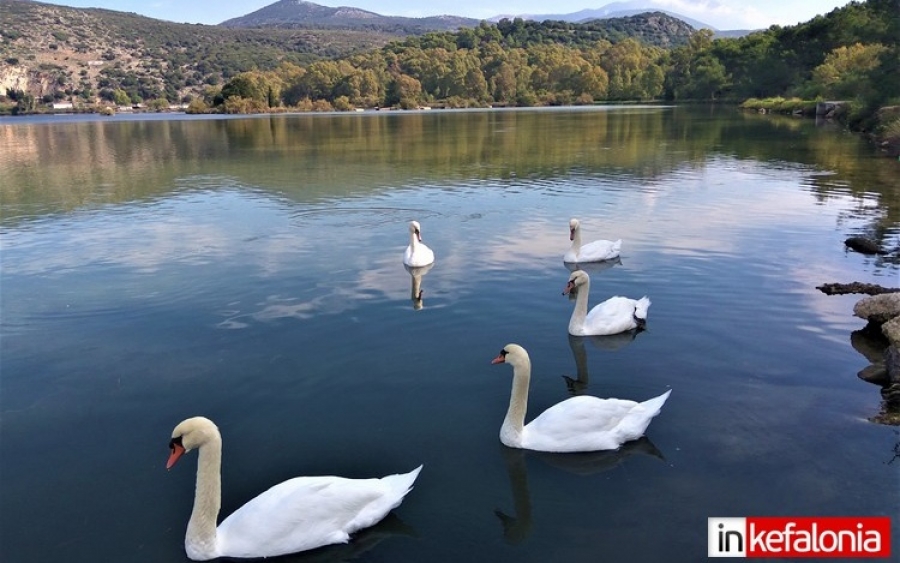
518, 526
579, 384
416, 292
593, 268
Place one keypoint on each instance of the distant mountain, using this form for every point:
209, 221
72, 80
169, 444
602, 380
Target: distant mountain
295, 14
624, 9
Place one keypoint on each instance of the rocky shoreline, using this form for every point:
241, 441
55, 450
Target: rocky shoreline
878, 341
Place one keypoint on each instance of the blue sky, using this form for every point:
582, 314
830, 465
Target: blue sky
722, 14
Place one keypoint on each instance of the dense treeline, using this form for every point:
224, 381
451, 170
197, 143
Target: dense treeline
849, 54
89, 55
513, 63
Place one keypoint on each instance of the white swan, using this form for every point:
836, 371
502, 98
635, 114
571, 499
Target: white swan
616, 314
417, 254
596, 251
578, 424
295, 515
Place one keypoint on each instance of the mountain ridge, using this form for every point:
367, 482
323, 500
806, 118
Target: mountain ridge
287, 14
294, 14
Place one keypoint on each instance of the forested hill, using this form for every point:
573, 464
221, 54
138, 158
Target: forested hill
56, 53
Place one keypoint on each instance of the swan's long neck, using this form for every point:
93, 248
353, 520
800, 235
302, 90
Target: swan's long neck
201, 530
413, 240
513, 424
579, 314
576, 241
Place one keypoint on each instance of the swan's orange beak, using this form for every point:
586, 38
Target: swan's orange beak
499, 359
177, 451
571, 234
418, 235
569, 287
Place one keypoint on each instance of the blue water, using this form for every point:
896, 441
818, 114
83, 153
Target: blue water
286, 317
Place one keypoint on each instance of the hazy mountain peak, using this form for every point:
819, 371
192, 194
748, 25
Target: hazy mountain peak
700, 14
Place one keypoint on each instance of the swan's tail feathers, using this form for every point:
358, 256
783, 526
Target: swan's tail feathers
640, 308
401, 483
655, 404
638, 418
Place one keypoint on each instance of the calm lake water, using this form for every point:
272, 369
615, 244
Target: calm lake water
249, 270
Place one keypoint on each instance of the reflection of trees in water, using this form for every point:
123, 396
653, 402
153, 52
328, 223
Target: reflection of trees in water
847, 165
517, 527
110, 161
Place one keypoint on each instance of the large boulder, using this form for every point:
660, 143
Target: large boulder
891, 330
878, 309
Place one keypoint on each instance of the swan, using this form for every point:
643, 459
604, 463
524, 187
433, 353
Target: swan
578, 424
417, 254
596, 251
616, 314
295, 515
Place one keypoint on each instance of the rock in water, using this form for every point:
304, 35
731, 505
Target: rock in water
863, 245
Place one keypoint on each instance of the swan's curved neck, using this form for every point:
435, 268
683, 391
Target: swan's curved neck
201, 530
579, 314
514, 423
576, 241
413, 240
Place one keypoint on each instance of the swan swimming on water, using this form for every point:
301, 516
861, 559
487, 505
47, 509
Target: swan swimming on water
296, 515
417, 253
596, 251
616, 314
578, 424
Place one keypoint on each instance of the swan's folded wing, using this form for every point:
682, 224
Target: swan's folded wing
581, 423
297, 515
600, 250
612, 316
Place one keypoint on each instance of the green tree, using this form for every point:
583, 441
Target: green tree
847, 71
121, 97
404, 91
633, 71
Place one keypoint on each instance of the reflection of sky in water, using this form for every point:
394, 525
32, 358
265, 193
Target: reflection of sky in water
737, 210
229, 300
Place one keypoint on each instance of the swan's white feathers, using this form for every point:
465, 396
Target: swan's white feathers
615, 315
300, 514
586, 423
578, 424
594, 251
308, 512
417, 254
296, 515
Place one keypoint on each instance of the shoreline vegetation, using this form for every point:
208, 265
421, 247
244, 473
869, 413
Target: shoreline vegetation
885, 133
849, 55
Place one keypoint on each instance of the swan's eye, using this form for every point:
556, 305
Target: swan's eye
503, 352
175, 442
